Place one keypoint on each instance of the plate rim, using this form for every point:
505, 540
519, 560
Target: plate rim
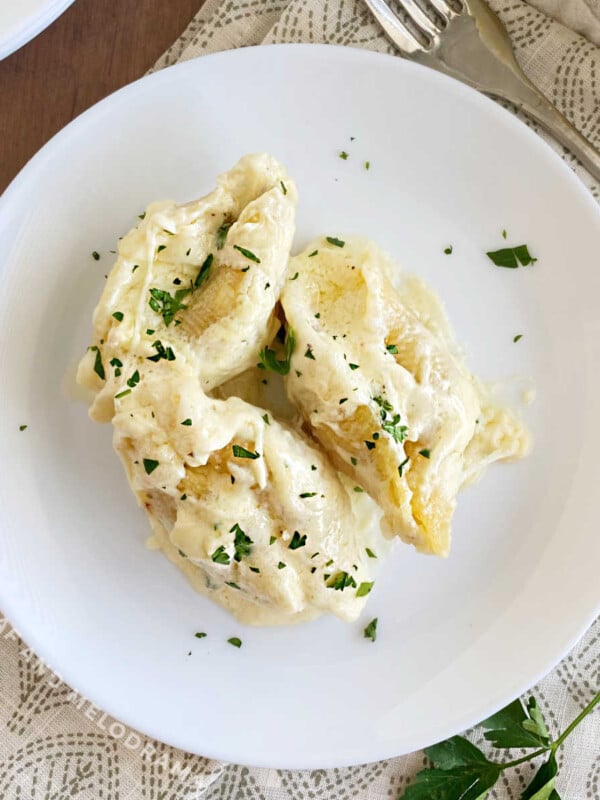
31, 26
27, 173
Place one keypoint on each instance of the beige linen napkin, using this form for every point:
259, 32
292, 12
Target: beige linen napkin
54, 744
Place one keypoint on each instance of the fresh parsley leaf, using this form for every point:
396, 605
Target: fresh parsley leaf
187, 422
370, 632
247, 254
241, 452
204, 272
344, 155
150, 464
364, 588
220, 555
358, 489
235, 641
313, 254
340, 580
22, 427
336, 242
297, 541
392, 348
162, 352
459, 783
281, 565
304, 495
118, 315
535, 723
542, 785
517, 337
167, 305
505, 729
370, 553
242, 543
425, 453
512, 257
455, 752
354, 366
254, 569
233, 585
200, 635
268, 358
161, 247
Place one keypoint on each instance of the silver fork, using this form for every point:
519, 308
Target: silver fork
472, 46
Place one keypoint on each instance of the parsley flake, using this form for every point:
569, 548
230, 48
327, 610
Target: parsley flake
235, 642
448, 250
266, 419
425, 452
344, 155
283, 187
187, 422
161, 247
392, 348
309, 353
203, 274
402, 465
517, 337
297, 541
96, 256
281, 565
150, 464
222, 235
162, 352
307, 494
314, 253
370, 632
241, 452
353, 461
370, 553
200, 635
124, 393
512, 257
118, 315
220, 555
166, 304
340, 580
364, 588
242, 543
269, 360
98, 366
354, 366
247, 254
22, 427
336, 242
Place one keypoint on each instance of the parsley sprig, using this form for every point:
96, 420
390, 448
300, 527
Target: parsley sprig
461, 771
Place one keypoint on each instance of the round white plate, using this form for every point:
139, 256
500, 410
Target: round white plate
21, 20
457, 638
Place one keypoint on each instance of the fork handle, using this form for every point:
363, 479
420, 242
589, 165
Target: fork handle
529, 99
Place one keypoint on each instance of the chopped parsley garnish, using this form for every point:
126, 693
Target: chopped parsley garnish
313, 467
297, 541
512, 257
272, 540
354, 366
242, 543
142, 215
269, 360
448, 250
295, 276
162, 352
203, 274
247, 253
303, 495
161, 247
281, 565
309, 353
370, 445
353, 461
118, 315
98, 366
254, 569
344, 155
425, 452
149, 331
233, 585
22, 427
392, 348
188, 251
150, 464
340, 580
364, 588
134, 380
166, 304
318, 315
395, 430
266, 419
96, 256
122, 394
337, 242
504, 234
235, 641
283, 187
222, 234
241, 452
402, 465
314, 253
517, 337
370, 632
342, 401
370, 553
221, 556
181, 553
183, 497
358, 489
200, 635
187, 421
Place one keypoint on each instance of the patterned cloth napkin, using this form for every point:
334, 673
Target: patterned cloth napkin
55, 744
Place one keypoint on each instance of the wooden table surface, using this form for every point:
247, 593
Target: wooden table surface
95, 47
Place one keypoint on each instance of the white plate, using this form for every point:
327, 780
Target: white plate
457, 638
21, 20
